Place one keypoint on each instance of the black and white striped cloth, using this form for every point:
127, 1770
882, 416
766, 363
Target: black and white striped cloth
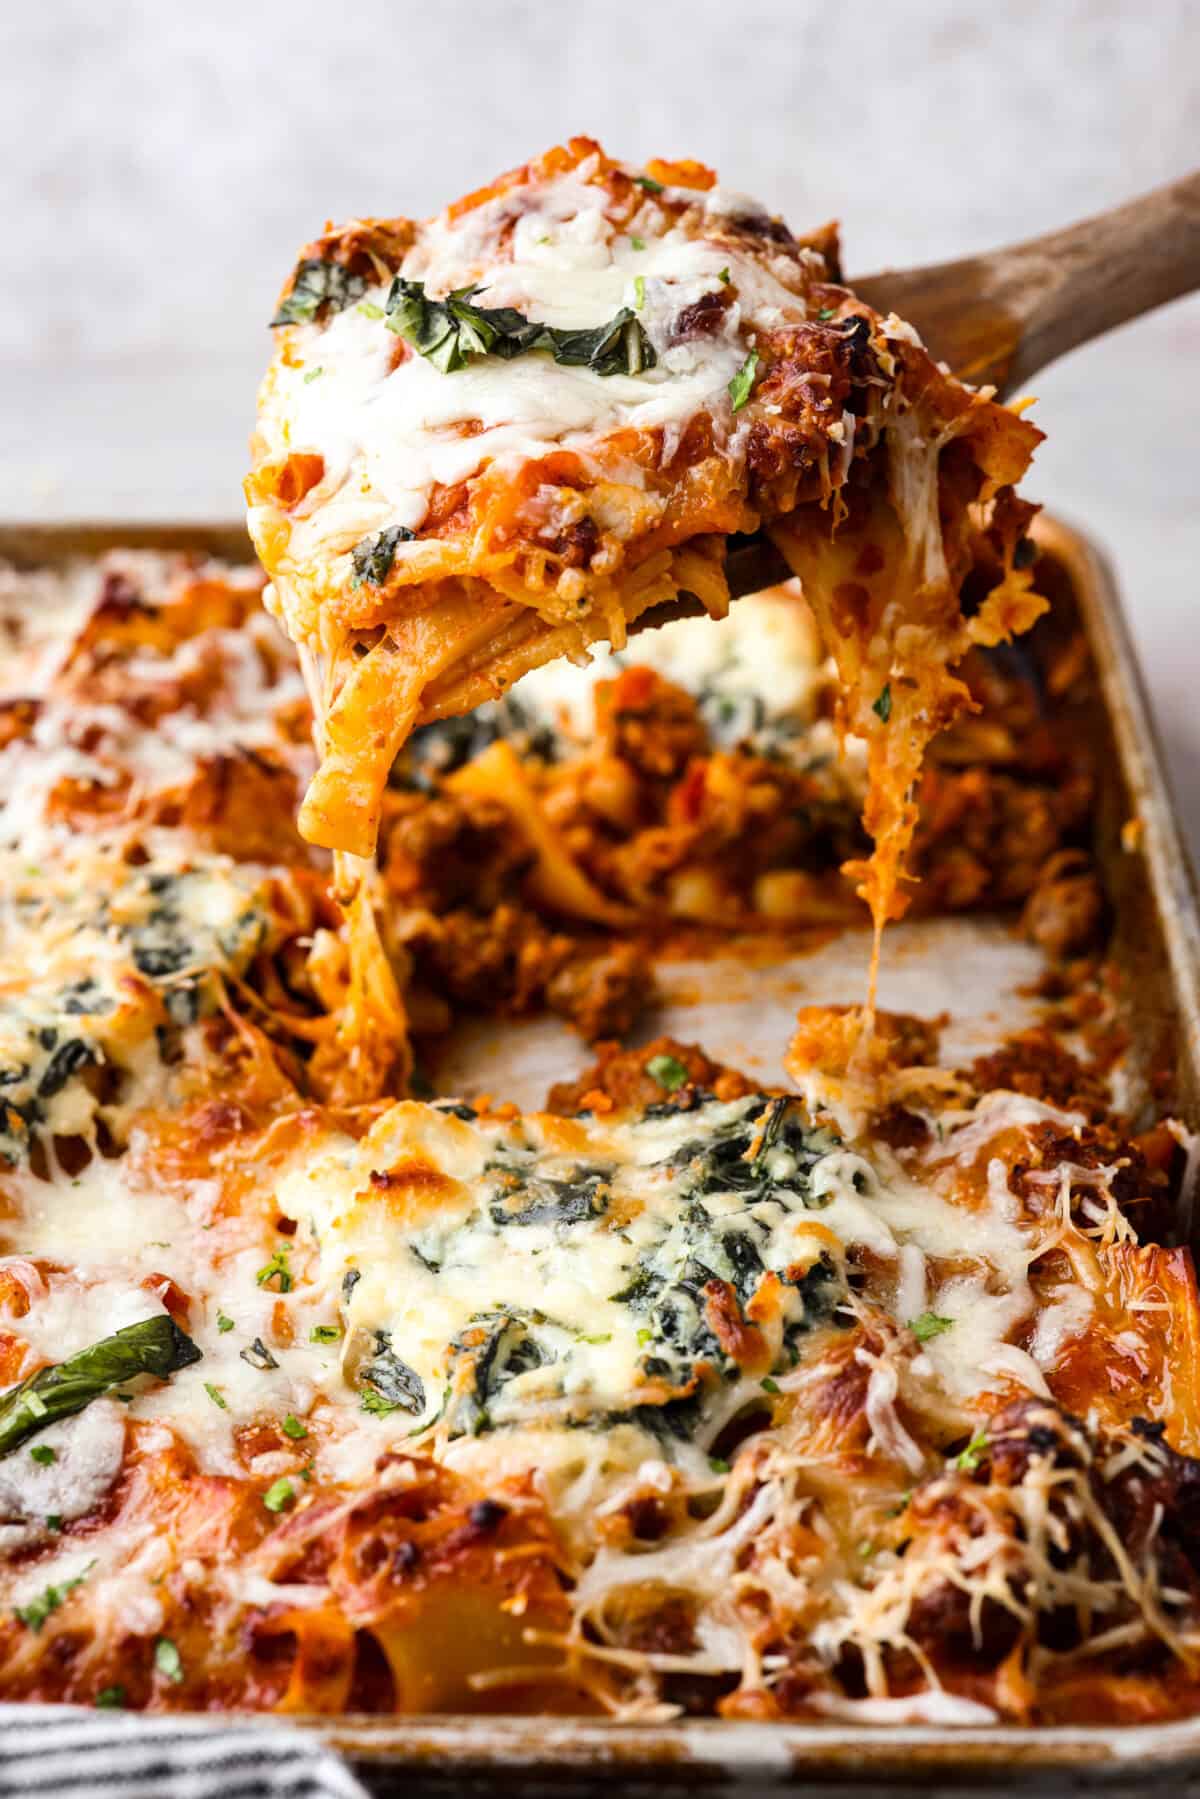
48, 1750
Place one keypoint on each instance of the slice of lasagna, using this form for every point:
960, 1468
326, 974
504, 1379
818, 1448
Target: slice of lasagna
493, 438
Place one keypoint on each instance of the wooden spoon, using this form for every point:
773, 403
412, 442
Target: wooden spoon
998, 318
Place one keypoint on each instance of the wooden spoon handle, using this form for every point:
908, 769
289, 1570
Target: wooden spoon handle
1000, 317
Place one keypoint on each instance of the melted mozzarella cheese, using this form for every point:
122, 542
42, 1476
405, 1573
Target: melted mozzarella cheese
564, 1265
389, 430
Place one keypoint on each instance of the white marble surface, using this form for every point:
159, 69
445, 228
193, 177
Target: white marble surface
161, 164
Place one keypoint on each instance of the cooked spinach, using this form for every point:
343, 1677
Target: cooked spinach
536, 1199
507, 1350
397, 1385
436, 750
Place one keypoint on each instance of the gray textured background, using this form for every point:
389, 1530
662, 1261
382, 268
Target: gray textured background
160, 165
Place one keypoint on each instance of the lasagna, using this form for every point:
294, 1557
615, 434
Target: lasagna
683, 1391
491, 439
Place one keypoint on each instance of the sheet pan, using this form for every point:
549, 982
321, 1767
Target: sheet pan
972, 969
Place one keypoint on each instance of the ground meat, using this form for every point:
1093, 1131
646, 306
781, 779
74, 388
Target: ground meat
650, 723
452, 851
509, 961
1065, 912
620, 1078
602, 994
1034, 1062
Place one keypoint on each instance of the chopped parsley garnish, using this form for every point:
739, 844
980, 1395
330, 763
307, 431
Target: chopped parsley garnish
318, 284
217, 1397
768, 1385
325, 1333
152, 1346
35, 1614
743, 382
638, 243
449, 332
276, 1269
718, 1465
825, 313
313, 375
224, 1324
53, 1522
292, 1427
42, 1452
110, 1699
969, 1458
374, 556
929, 1324
882, 707
279, 1495
168, 1661
723, 275
650, 184
639, 293
668, 1071
376, 1404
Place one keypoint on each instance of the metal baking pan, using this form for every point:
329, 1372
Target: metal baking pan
1156, 943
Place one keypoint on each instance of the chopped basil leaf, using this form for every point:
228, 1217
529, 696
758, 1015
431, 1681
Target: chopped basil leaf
450, 332
743, 382
223, 1323
929, 1324
317, 284
374, 556
42, 1452
717, 1465
826, 312
53, 1522
768, 1385
279, 1495
325, 1333
723, 275
215, 1394
650, 184
110, 1699
668, 1071
292, 1427
152, 1346
35, 1614
638, 243
639, 293
883, 705
168, 1661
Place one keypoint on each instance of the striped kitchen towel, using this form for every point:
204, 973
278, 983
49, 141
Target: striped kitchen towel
48, 1750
